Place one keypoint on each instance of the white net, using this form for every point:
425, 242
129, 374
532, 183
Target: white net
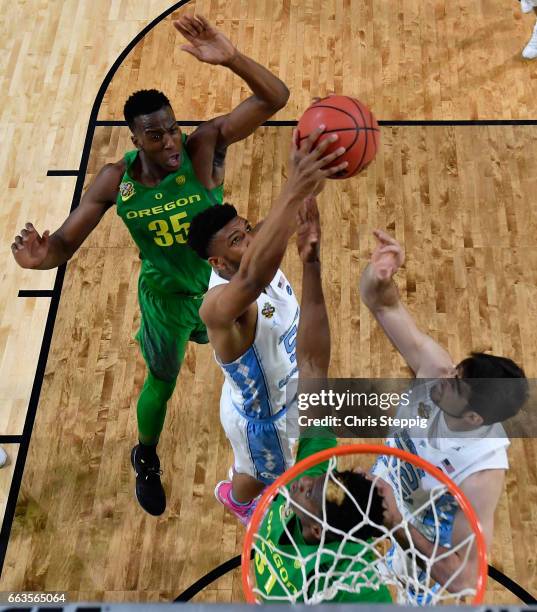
343, 566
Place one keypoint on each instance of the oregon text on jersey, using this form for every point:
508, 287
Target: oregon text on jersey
148, 212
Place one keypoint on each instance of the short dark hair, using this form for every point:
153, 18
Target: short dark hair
143, 102
341, 510
206, 224
498, 386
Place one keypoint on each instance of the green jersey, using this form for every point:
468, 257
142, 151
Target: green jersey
158, 218
289, 570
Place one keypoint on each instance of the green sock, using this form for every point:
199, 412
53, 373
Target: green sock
151, 409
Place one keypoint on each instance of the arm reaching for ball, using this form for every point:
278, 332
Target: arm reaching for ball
380, 294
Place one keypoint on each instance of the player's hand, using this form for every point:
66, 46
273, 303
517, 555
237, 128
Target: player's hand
387, 257
391, 516
29, 248
307, 164
308, 236
207, 44
318, 98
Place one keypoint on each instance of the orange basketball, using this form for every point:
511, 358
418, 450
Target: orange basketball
355, 124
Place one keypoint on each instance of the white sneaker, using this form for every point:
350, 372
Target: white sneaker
527, 5
3, 457
530, 50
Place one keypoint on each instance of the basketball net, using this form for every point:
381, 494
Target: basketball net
382, 561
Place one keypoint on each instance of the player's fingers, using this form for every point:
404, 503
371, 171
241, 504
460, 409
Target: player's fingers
24, 234
384, 236
198, 26
307, 144
184, 32
328, 159
186, 24
18, 241
200, 23
390, 249
321, 147
29, 227
204, 21
16, 247
296, 139
336, 169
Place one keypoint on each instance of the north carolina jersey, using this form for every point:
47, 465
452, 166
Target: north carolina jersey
457, 454
257, 380
260, 386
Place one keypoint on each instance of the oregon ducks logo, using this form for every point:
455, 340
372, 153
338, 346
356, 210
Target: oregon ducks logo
126, 190
158, 196
268, 310
181, 179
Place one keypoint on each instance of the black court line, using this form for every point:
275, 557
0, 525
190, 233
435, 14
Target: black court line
9, 439
120, 123
35, 293
462, 122
206, 580
7, 523
235, 562
387, 123
512, 586
62, 173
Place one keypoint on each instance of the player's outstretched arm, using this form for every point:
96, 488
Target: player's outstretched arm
313, 338
307, 173
46, 251
379, 293
207, 144
209, 45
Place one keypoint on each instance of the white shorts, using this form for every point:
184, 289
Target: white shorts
261, 449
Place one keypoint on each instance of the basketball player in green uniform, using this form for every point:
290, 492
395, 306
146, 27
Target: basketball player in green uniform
157, 189
278, 575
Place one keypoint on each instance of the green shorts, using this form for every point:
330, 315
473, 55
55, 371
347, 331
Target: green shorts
168, 323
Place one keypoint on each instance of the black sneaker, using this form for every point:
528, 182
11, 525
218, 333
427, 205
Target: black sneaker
149, 491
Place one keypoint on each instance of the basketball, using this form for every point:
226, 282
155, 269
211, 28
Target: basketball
355, 124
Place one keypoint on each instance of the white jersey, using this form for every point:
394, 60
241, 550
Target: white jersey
260, 386
256, 381
457, 454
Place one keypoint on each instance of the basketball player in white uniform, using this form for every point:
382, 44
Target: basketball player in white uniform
464, 408
252, 316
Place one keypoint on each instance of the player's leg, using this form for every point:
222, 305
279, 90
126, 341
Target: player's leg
530, 50
237, 494
166, 325
245, 488
261, 453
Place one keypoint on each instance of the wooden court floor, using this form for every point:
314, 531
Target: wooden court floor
460, 199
